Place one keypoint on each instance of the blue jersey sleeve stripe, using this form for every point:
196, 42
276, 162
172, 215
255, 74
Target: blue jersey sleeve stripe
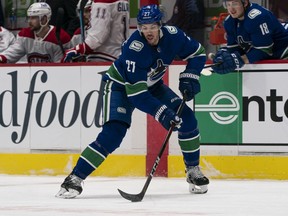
233, 46
199, 52
114, 75
285, 54
266, 49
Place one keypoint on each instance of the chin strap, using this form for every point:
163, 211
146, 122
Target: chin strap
42, 26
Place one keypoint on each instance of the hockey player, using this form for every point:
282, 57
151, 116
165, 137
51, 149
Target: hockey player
253, 34
38, 42
77, 38
189, 16
70, 14
6, 38
135, 81
109, 29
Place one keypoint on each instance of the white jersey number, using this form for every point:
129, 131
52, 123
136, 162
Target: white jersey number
264, 28
101, 12
130, 66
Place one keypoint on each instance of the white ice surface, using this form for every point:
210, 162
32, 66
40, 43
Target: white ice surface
34, 196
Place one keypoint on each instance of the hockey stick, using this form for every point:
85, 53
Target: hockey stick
60, 15
211, 65
207, 72
81, 58
139, 197
81, 14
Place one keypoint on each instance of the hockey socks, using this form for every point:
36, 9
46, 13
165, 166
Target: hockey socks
190, 147
90, 159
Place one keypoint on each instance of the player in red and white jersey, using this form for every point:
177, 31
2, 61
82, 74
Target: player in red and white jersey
6, 38
109, 29
38, 42
77, 38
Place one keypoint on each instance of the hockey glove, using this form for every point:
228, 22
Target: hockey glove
189, 83
70, 55
227, 62
3, 59
74, 53
167, 117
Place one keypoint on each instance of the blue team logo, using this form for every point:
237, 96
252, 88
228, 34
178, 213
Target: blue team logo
158, 72
245, 45
136, 45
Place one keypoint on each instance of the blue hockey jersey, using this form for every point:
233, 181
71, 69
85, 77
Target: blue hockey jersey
141, 66
260, 35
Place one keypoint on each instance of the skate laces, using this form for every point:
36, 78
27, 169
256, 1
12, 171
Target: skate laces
194, 172
75, 180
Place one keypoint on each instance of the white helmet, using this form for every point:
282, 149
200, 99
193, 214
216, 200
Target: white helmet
88, 4
39, 9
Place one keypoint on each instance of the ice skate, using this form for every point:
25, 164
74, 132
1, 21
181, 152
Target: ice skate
198, 183
70, 188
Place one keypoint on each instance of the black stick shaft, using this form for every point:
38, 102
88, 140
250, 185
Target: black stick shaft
211, 65
59, 21
139, 197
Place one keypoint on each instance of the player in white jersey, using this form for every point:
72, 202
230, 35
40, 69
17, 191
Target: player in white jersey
77, 38
6, 38
38, 42
109, 29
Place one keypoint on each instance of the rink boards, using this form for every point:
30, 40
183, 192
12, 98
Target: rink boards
49, 113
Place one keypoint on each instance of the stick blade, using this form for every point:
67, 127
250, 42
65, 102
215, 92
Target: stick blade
206, 72
132, 197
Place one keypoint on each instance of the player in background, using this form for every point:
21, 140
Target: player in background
109, 29
6, 38
70, 14
38, 42
135, 81
253, 34
189, 16
76, 38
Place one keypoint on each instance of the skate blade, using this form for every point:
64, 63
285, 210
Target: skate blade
196, 189
64, 194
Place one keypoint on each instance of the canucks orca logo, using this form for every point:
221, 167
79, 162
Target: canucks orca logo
245, 45
158, 72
